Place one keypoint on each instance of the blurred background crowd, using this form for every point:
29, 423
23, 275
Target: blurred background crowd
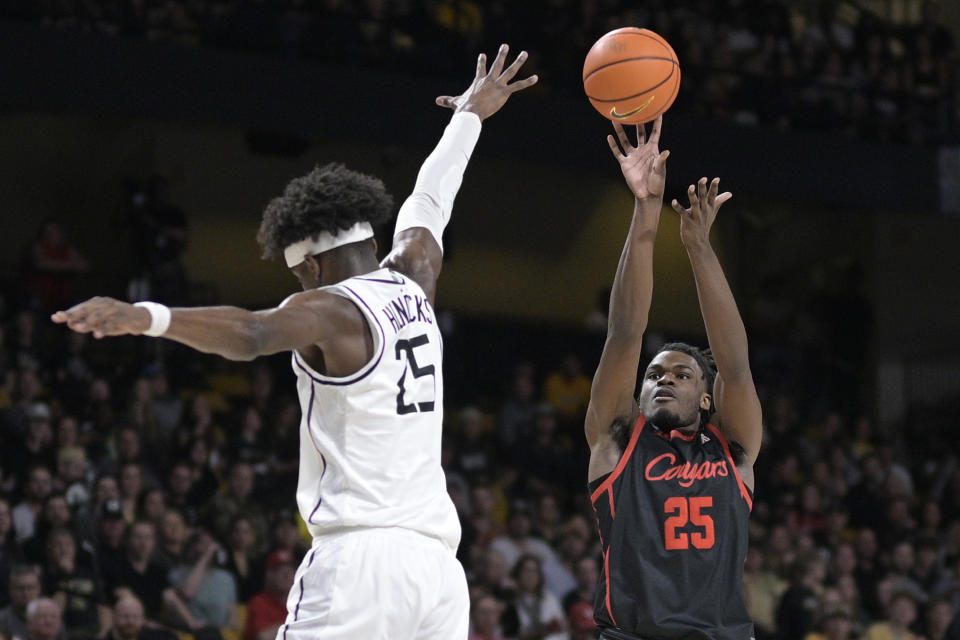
833, 66
141, 480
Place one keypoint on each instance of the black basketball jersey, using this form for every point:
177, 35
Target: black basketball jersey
673, 528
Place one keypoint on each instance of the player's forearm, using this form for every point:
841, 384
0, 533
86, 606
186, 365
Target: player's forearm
230, 332
632, 289
438, 181
725, 330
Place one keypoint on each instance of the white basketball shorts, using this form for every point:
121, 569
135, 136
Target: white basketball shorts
378, 584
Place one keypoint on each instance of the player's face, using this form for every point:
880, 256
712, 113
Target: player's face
673, 391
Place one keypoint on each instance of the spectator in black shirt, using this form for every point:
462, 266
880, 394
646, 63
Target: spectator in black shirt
39, 486
180, 492
75, 588
243, 559
55, 514
586, 571
173, 538
108, 544
139, 573
247, 444
547, 456
797, 611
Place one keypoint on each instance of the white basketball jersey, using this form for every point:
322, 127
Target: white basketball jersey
370, 442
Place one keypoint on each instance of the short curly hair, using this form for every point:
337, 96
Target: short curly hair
330, 198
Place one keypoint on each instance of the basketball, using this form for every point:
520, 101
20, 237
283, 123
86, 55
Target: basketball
631, 75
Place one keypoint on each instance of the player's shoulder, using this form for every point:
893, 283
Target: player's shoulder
308, 298
323, 303
385, 276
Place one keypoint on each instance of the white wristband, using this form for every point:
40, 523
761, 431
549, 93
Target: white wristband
159, 318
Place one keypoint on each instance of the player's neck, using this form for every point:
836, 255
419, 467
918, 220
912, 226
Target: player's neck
686, 430
340, 265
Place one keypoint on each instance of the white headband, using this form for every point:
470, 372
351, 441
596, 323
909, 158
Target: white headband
298, 251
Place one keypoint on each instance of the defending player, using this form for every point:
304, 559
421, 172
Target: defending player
367, 354
671, 472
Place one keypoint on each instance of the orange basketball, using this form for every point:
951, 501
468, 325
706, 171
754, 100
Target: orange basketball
631, 75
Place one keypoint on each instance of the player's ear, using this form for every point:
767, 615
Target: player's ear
706, 402
313, 266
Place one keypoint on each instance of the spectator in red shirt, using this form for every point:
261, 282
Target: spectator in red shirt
267, 610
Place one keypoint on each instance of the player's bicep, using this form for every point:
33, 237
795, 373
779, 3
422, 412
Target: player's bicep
738, 413
417, 255
611, 395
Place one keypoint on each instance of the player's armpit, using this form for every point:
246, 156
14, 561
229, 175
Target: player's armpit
738, 413
611, 394
417, 255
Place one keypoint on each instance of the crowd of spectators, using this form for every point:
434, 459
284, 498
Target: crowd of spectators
828, 66
146, 488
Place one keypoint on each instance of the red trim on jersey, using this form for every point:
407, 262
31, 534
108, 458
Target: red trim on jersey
606, 573
676, 433
613, 510
637, 428
733, 464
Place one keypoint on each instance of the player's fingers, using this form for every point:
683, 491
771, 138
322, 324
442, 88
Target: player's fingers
712, 189
481, 66
641, 134
692, 197
723, 197
79, 307
679, 209
523, 84
445, 101
79, 326
615, 148
702, 188
622, 137
661, 160
655, 131
512, 70
77, 314
497, 67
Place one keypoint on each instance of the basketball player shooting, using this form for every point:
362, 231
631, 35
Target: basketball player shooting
671, 471
368, 359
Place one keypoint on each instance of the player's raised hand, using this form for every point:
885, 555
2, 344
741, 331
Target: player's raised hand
696, 220
104, 317
490, 89
643, 165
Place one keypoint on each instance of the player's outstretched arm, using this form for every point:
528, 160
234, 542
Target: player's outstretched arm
307, 318
611, 396
735, 396
417, 243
